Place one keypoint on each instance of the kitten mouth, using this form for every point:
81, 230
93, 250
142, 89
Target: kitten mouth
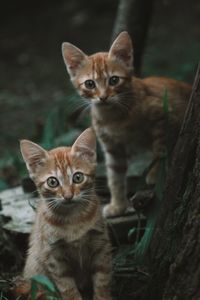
64, 206
61, 203
100, 102
73, 202
67, 202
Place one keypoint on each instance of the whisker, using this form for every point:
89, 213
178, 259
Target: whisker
85, 109
53, 204
78, 107
125, 105
125, 93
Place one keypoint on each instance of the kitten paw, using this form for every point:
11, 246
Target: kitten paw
111, 210
150, 180
151, 177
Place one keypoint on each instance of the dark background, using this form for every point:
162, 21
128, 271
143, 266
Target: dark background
33, 79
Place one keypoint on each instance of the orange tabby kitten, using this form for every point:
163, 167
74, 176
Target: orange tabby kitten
127, 112
69, 241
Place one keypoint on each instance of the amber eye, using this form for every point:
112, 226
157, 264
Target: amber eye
113, 80
52, 182
90, 84
78, 177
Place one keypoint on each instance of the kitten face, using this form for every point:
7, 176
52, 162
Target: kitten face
102, 80
64, 176
102, 77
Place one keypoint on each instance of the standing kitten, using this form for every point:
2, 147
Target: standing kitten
69, 241
127, 112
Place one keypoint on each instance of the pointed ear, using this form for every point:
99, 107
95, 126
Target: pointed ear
33, 155
73, 58
85, 146
122, 50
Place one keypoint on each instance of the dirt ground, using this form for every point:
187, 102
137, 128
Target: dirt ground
33, 79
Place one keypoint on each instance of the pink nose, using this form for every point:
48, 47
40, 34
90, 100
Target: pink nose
68, 196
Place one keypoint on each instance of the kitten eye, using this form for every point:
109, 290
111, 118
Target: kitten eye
78, 177
52, 182
113, 80
90, 84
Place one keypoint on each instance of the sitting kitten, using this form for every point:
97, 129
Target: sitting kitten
69, 241
127, 112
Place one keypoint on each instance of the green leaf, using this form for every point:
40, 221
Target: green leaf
33, 290
131, 232
167, 121
166, 103
45, 282
161, 178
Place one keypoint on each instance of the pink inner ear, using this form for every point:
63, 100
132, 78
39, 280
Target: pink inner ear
84, 151
85, 145
73, 57
74, 61
123, 55
33, 154
122, 50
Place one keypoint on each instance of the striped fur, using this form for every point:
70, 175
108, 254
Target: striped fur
127, 116
69, 241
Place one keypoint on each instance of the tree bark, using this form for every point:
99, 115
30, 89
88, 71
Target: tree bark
175, 247
134, 16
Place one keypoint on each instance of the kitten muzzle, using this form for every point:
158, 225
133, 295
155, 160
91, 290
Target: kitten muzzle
103, 98
68, 200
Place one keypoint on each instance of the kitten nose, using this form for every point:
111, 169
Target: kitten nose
68, 196
103, 98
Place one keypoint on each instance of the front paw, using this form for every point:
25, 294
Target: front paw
152, 175
113, 210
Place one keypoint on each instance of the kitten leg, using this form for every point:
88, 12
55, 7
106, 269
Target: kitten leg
59, 272
67, 288
101, 284
116, 173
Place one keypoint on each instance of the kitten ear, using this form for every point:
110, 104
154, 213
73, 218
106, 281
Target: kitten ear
33, 155
85, 146
122, 49
73, 58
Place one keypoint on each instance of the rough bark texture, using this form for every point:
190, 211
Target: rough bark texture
175, 247
134, 16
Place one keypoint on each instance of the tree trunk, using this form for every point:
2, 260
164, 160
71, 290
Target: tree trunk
175, 247
134, 16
